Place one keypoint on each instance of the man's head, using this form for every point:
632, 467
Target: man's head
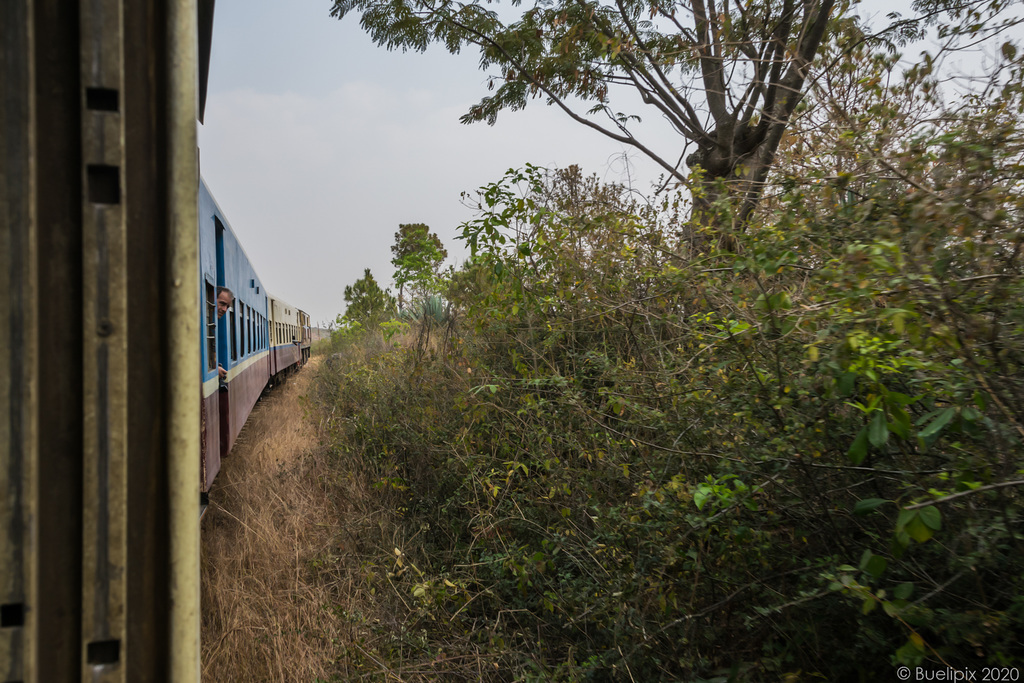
225, 298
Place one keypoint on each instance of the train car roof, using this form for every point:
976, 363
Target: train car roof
281, 301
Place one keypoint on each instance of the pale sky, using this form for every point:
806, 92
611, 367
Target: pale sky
318, 144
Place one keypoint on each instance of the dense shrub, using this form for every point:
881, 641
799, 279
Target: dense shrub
642, 451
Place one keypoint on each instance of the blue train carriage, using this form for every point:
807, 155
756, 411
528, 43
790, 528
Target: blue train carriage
237, 341
285, 336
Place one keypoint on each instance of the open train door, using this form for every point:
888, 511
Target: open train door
99, 340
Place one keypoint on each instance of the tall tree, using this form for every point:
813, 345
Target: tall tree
366, 302
726, 74
418, 256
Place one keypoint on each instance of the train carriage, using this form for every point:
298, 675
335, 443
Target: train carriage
306, 342
113, 251
257, 338
235, 341
285, 350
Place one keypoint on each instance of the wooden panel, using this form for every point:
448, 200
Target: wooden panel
105, 346
99, 428
18, 366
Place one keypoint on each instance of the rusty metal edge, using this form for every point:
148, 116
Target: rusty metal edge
183, 353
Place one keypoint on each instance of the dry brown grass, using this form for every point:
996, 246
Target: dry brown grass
271, 603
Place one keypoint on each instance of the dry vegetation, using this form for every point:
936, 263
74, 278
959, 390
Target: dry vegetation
275, 514
298, 551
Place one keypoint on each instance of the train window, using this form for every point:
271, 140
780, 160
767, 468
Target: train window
211, 327
234, 335
244, 311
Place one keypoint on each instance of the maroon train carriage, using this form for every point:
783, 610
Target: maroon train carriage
306, 341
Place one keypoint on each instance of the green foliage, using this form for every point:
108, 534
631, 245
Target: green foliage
786, 451
418, 256
366, 304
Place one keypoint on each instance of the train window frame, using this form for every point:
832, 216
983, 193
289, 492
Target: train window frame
233, 338
211, 327
245, 332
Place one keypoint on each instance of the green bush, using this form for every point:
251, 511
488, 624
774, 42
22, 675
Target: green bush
642, 451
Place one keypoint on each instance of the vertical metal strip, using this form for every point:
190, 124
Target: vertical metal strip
18, 347
184, 371
105, 341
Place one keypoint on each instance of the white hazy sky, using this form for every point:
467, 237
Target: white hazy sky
317, 144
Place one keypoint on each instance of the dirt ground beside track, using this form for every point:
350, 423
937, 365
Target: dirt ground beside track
269, 607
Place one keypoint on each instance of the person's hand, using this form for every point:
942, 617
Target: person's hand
223, 373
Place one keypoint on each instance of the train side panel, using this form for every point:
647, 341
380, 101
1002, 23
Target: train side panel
285, 335
306, 341
208, 323
237, 341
